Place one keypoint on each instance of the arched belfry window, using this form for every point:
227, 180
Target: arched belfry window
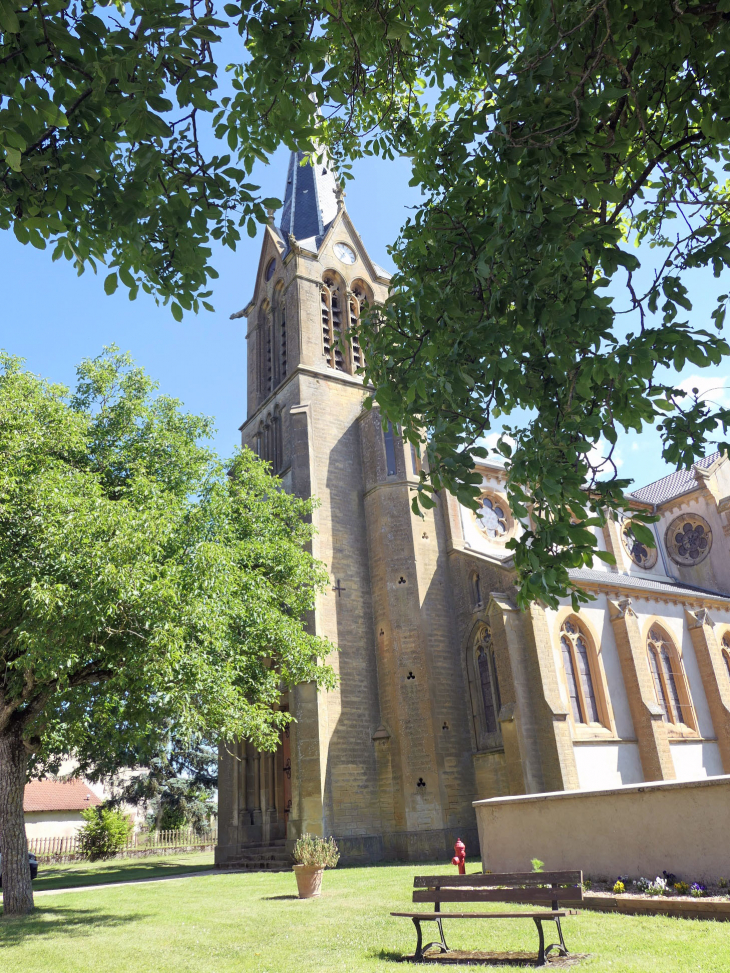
486, 699
580, 672
359, 299
332, 299
669, 682
279, 327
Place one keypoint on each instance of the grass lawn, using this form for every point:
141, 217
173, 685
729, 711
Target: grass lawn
119, 870
227, 922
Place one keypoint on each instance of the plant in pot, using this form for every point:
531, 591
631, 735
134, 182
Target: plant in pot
312, 855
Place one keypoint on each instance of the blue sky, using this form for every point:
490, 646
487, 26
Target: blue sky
53, 318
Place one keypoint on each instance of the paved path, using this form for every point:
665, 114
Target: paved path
135, 881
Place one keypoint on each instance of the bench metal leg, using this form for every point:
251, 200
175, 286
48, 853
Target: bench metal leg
420, 948
541, 949
561, 947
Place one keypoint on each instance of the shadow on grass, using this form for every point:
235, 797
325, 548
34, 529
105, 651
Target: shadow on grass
59, 921
464, 958
59, 878
274, 898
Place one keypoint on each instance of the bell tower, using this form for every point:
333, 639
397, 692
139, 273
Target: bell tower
368, 762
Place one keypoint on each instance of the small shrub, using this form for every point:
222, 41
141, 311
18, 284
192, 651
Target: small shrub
681, 887
587, 884
722, 883
670, 878
642, 884
105, 833
618, 887
537, 865
311, 850
697, 890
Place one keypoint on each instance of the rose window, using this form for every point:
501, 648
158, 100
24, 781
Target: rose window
639, 553
689, 539
492, 517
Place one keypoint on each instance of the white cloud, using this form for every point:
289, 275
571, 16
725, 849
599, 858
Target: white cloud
491, 441
712, 389
597, 457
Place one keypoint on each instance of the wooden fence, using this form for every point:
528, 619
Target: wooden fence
139, 844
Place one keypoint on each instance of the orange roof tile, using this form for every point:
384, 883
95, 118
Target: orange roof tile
58, 795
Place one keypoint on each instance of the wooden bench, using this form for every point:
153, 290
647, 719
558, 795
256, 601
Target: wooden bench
525, 887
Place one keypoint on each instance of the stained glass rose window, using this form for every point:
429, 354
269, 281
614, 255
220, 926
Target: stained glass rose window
689, 539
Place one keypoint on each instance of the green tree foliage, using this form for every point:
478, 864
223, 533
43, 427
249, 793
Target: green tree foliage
143, 583
100, 147
175, 785
106, 831
548, 137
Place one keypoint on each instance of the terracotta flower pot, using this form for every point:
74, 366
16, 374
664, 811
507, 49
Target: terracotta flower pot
309, 880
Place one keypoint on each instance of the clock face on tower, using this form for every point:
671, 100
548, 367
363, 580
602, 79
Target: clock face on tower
344, 253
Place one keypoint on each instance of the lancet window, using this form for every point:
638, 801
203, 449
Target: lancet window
390, 450
577, 651
669, 684
268, 440
486, 699
358, 301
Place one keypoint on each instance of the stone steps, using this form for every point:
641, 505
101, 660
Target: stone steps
262, 858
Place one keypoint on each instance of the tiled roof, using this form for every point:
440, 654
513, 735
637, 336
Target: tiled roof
310, 203
58, 795
674, 485
619, 580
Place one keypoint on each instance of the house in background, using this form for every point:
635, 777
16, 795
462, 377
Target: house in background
53, 807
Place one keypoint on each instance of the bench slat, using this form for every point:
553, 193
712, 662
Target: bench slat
503, 878
487, 915
570, 894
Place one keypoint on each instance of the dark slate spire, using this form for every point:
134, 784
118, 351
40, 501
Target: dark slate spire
310, 203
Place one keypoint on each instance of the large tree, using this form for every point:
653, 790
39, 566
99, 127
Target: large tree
143, 583
548, 136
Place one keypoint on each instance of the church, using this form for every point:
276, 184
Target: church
447, 693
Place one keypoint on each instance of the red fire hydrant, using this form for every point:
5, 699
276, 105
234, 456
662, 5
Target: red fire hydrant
459, 858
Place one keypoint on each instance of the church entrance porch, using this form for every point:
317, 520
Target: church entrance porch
252, 825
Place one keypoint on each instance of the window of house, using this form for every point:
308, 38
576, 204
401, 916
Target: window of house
669, 683
576, 651
492, 516
389, 450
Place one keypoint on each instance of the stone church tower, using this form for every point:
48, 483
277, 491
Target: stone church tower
382, 762
448, 693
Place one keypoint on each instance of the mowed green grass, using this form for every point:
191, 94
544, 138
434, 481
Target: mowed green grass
119, 870
224, 922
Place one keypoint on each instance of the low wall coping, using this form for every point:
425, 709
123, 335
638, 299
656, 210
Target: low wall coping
659, 785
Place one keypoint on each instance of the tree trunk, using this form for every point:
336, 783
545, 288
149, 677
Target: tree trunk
17, 888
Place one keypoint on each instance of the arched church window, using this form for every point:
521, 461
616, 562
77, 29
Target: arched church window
576, 654
389, 450
669, 683
476, 589
487, 685
332, 323
277, 457
726, 652
270, 268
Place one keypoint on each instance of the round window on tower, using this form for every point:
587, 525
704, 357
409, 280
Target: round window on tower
689, 539
493, 517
